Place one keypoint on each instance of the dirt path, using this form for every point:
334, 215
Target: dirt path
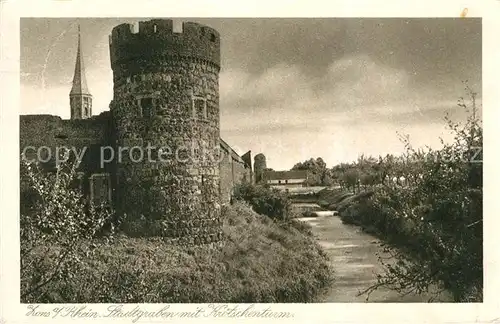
353, 256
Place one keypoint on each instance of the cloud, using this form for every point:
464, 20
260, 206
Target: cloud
291, 87
359, 81
354, 89
277, 87
39, 97
357, 106
346, 84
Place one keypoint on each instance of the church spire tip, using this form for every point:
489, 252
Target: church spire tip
80, 96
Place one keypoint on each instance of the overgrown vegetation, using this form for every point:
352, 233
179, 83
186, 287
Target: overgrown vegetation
72, 254
52, 225
427, 205
264, 200
318, 173
261, 261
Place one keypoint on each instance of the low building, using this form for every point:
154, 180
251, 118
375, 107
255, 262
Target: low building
285, 179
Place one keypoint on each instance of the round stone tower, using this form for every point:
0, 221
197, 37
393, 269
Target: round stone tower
259, 166
165, 110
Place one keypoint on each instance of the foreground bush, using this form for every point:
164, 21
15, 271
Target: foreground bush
53, 221
260, 261
264, 200
433, 219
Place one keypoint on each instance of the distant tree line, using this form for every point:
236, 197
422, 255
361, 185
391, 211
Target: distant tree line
364, 173
318, 173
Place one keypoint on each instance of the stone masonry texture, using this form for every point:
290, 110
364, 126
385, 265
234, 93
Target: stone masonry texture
166, 95
259, 166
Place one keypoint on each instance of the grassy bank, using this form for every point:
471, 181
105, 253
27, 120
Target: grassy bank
261, 261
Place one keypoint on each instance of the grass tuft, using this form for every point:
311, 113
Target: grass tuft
261, 260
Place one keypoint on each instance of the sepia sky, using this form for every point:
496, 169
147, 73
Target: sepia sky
291, 88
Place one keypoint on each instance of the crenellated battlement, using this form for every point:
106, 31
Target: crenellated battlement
166, 94
157, 38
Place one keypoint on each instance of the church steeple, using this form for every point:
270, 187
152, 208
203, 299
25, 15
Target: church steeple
79, 96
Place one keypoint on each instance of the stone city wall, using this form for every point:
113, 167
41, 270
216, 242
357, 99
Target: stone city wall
166, 95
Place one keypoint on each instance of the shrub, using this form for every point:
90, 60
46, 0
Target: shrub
303, 227
260, 261
52, 225
70, 253
433, 219
323, 203
266, 201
